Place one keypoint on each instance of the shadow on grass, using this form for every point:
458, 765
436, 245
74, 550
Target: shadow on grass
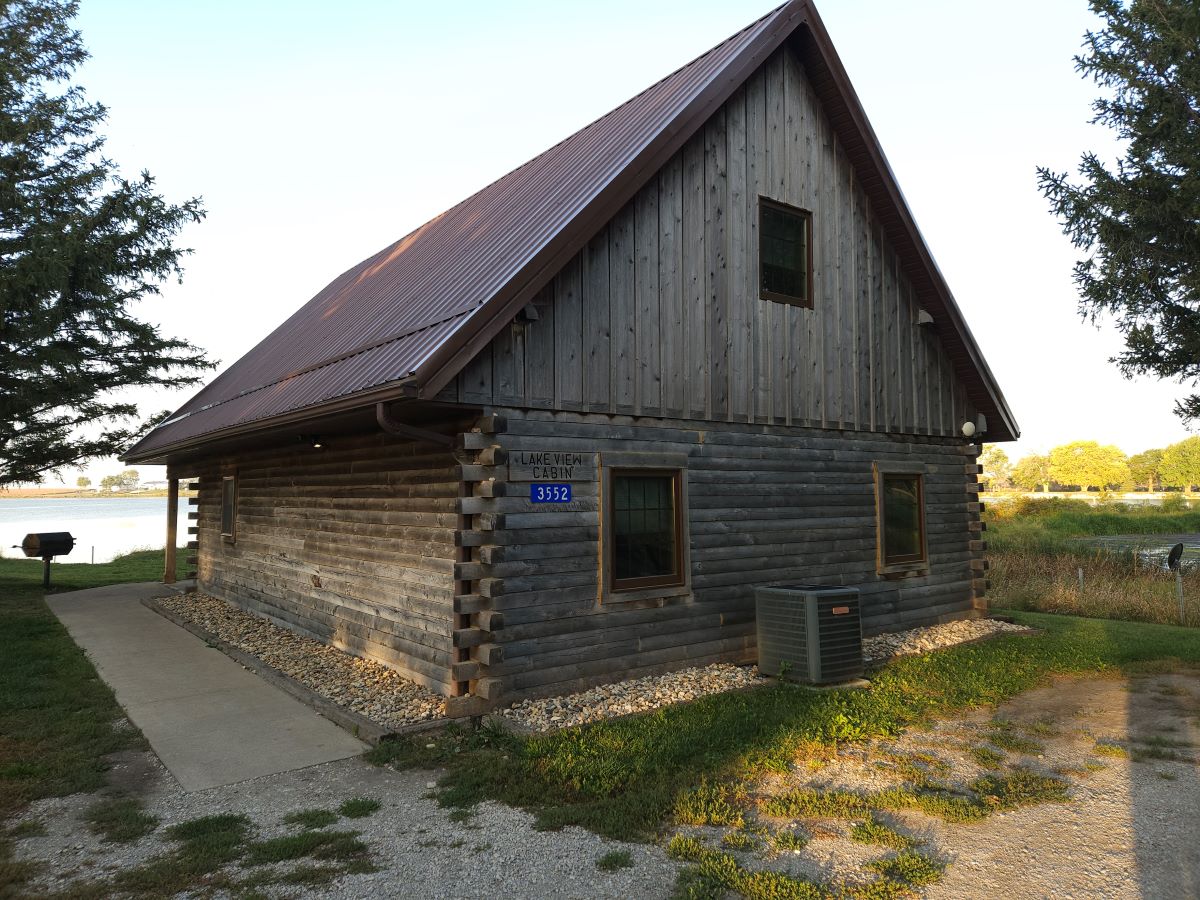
626, 777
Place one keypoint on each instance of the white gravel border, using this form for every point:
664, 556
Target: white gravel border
362, 685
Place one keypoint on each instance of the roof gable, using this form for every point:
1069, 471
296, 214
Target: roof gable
406, 320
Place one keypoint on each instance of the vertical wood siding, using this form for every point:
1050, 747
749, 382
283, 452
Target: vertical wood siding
660, 314
766, 504
352, 544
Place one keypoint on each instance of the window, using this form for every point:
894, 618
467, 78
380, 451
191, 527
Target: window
647, 537
901, 507
228, 506
784, 253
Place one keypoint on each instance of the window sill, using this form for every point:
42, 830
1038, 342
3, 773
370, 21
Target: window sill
647, 595
904, 570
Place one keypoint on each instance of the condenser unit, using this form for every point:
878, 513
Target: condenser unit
808, 633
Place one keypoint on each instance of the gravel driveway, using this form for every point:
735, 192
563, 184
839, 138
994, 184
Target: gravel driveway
420, 852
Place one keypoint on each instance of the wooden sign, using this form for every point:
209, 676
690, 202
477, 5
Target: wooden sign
551, 465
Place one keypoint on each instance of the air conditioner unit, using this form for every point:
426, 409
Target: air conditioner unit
809, 633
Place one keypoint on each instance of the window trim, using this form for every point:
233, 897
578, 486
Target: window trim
677, 586
806, 215
676, 578
231, 535
912, 565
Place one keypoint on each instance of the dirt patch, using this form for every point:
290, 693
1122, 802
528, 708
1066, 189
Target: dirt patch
1087, 788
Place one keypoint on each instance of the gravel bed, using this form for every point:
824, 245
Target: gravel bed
366, 687
635, 696
652, 692
934, 637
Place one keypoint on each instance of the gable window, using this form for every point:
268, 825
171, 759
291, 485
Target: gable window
646, 547
900, 500
228, 506
784, 253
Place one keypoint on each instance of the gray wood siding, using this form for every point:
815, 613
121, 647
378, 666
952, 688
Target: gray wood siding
352, 544
766, 504
660, 315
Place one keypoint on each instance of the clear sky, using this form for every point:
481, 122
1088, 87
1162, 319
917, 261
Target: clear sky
318, 133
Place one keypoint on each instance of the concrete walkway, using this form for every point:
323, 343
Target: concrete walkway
209, 720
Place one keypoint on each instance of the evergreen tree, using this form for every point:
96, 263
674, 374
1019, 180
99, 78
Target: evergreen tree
79, 246
1136, 223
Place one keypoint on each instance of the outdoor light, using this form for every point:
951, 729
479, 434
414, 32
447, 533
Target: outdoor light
316, 443
311, 439
968, 429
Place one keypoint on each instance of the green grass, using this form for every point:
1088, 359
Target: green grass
626, 778
987, 757
873, 831
1004, 736
789, 841
359, 807
1107, 748
325, 845
1031, 523
120, 819
909, 867
739, 840
56, 716
615, 860
311, 818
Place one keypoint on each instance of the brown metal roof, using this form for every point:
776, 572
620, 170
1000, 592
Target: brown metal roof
419, 310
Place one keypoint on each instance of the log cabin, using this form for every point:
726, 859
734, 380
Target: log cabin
555, 436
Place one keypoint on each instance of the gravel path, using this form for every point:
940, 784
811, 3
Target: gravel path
419, 851
369, 688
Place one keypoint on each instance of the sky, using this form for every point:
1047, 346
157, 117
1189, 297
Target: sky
318, 133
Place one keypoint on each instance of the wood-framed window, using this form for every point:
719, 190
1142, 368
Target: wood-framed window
647, 528
785, 253
900, 507
229, 495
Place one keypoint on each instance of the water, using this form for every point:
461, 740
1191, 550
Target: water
109, 526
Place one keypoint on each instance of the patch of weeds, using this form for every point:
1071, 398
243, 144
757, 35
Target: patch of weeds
789, 841
739, 840
715, 872
615, 860
480, 848
341, 846
205, 845
987, 757
1167, 776
359, 807
432, 842
1157, 740
1170, 690
120, 819
710, 803
1043, 728
311, 818
1004, 736
1093, 766
873, 831
1107, 748
30, 828
459, 842
462, 814
1018, 787
1142, 754
909, 867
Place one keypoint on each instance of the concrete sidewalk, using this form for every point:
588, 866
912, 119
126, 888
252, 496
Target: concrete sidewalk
209, 720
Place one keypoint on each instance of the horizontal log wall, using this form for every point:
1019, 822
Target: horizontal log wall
766, 505
352, 544
660, 315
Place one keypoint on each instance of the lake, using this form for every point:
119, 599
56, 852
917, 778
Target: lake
103, 526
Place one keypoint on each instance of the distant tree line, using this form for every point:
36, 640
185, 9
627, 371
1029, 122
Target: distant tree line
1084, 465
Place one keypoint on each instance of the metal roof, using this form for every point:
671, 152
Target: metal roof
419, 310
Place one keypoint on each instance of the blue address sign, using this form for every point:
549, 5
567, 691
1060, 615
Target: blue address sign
550, 493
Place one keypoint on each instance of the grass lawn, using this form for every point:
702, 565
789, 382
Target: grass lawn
629, 778
56, 715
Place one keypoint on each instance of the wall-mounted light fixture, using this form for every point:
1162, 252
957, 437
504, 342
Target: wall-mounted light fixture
312, 440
